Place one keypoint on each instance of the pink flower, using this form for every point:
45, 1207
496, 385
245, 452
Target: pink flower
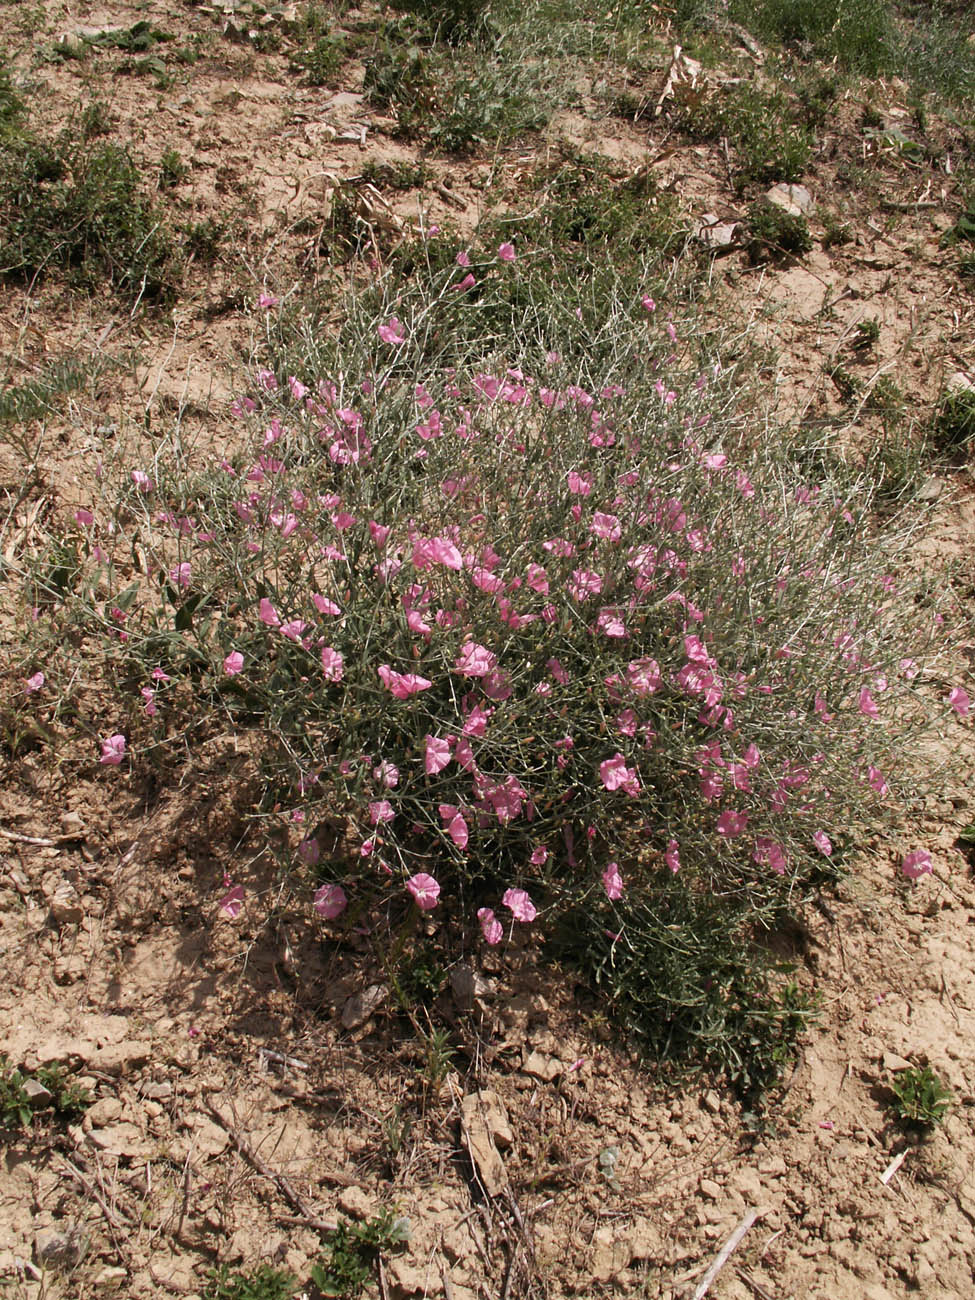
381, 811
520, 905
580, 484
324, 605
456, 825
643, 676
610, 623
671, 857
462, 259
615, 775
475, 660
585, 583
823, 843
84, 517
537, 579
875, 778
233, 663
959, 701
386, 774
539, 856
392, 331
294, 629
330, 901
648, 304
402, 685
606, 526
268, 300
916, 864
731, 824
113, 750
468, 282
491, 927
142, 480
34, 683
231, 903
269, 614
613, 882
436, 755
506, 252
770, 852
868, 706
309, 851
333, 665
425, 890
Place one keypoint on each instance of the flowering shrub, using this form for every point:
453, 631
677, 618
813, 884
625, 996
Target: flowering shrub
546, 623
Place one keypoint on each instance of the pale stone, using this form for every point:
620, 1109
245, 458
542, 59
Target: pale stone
360, 1006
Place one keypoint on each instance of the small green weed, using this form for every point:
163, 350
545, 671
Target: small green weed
897, 466
11, 105
866, 336
395, 175
202, 240
920, 1098
773, 233
18, 1106
96, 120
65, 203
954, 426
587, 206
770, 144
38, 397
687, 982
353, 1251
262, 1283
172, 169
322, 61
15, 1107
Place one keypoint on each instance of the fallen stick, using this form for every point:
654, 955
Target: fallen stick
110, 1215
725, 1253
31, 839
280, 1059
280, 1181
893, 1167
754, 1285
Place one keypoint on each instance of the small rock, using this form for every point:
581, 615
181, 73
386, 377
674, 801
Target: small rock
121, 1140
356, 1203
959, 382
107, 1110
38, 1094
709, 1188
482, 1114
66, 906
930, 489
71, 824
794, 199
157, 1091
469, 987
407, 1279
895, 1063
112, 1276
60, 1250
712, 1102
715, 233
542, 1067
360, 1006
116, 1058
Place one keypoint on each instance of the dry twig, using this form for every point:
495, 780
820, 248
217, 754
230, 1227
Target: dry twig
283, 1185
725, 1253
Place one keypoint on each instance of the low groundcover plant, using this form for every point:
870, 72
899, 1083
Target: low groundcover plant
541, 618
